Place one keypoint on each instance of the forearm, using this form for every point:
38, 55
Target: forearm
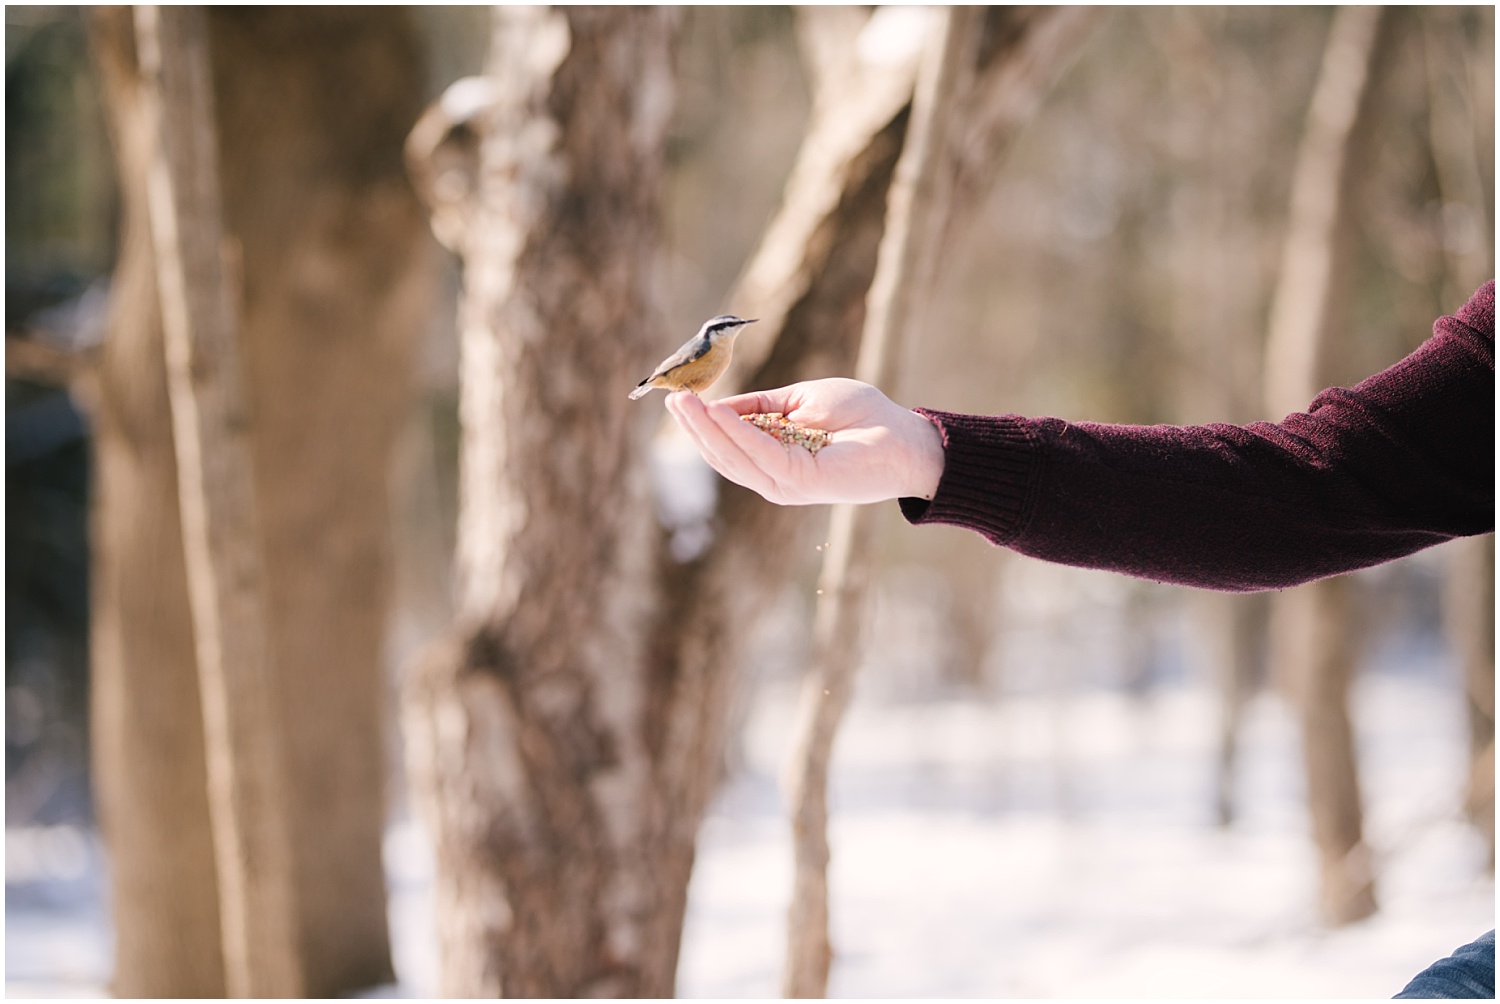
1402, 461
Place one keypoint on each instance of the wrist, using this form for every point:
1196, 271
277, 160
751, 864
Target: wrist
928, 457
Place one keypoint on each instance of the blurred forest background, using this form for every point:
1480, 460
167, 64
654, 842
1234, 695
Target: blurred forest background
1120, 267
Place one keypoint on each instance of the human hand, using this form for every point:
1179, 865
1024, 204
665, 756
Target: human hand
877, 449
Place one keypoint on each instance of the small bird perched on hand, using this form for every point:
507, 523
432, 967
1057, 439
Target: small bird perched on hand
699, 362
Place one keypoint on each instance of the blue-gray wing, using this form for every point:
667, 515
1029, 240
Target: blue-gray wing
695, 349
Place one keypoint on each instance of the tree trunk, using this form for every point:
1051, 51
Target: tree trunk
329, 260
1022, 51
1313, 653
1469, 613
1233, 629
246, 778
564, 855
807, 282
853, 103
149, 768
524, 732
983, 75
1469, 595
1312, 641
338, 274
1218, 334
918, 207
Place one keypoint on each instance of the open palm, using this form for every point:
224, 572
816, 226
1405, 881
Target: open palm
877, 450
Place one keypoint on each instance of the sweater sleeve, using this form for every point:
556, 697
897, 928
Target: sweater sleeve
1402, 461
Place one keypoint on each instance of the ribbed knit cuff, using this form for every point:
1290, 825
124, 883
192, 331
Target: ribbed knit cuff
991, 466
1479, 312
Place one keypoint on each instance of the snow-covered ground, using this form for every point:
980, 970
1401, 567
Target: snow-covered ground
1050, 836
1041, 846
968, 862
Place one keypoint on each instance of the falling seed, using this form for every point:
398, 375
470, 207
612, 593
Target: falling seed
820, 592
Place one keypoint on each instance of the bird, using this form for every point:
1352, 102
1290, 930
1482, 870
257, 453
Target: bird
700, 361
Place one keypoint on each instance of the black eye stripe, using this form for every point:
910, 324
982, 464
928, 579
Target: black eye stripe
724, 325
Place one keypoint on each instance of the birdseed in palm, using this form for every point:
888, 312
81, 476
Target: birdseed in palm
790, 433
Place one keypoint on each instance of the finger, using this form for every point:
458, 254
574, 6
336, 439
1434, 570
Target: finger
721, 452
756, 460
697, 425
770, 458
789, 467
823, 402
691, 421
782, 399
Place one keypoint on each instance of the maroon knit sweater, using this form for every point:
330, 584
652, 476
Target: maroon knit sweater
1402, 461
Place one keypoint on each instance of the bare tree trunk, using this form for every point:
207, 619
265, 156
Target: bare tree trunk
1312, 643
807, 282
1469, 613
665, 694
1313, 653
918, 206
1022, 51
1302, 309
525, 731
853, 103
337, 274
1217, 324
984, 75
246, 777
328, 244
1469, 596
146, 719
1233, 629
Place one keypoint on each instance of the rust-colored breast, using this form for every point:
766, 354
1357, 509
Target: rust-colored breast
697, 375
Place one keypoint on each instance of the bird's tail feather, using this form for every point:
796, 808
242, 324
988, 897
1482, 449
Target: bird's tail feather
640, 391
